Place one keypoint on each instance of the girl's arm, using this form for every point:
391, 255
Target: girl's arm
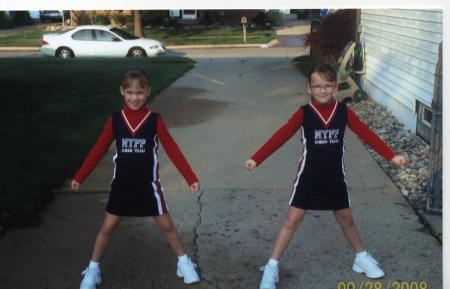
280, 137
95, 155
175, 155
368, 136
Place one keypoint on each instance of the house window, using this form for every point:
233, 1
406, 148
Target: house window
424, 118
189, 14
175, 13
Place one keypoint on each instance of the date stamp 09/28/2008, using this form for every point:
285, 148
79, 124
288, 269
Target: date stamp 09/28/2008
382, 285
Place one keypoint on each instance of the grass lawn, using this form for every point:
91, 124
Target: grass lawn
31, 37
169, 36
52, 113
226, 35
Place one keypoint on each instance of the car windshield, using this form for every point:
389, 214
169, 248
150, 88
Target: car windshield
123, 34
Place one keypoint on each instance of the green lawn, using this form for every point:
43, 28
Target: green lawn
169, 36
31, 37
226, 35
51, 114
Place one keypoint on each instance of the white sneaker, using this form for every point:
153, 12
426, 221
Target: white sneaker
270, 277
91, 278
187, 271
368, 265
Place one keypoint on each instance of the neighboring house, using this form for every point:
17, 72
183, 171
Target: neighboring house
184, 14
225, 17
34, 14
402, 49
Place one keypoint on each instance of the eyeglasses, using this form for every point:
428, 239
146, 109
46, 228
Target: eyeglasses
317, 88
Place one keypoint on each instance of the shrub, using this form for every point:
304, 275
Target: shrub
101, 19
207, 18
305, 63
335, 31
271, 17
121, 19
259, 19
275, 18
5, 21
154, 17
22, 18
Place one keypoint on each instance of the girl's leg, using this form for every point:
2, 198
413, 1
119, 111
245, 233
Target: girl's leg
293, 220
166, 225
109, 226
345, 220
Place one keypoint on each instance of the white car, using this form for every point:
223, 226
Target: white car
99, 40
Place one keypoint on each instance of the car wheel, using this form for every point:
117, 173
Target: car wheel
137, 52
64, 53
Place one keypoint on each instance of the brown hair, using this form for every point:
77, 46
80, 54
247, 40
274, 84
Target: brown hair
135, 74
326, 71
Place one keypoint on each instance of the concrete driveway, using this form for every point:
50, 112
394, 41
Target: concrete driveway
220, 113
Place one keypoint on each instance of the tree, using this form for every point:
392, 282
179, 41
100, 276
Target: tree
137, 23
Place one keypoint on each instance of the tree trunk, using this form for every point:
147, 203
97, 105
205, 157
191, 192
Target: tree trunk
137, 23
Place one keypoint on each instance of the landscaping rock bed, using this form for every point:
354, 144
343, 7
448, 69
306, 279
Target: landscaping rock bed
411, 179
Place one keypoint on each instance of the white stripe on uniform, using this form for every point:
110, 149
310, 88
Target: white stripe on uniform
155, 169
302, 166
115, 166
343, 170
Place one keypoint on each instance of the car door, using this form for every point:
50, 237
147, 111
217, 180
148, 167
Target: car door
109, 44
83, 43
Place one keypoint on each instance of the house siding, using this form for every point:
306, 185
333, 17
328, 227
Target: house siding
402, 49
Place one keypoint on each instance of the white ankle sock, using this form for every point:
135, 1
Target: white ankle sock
361, 254
94, 265
183, 258
272, 262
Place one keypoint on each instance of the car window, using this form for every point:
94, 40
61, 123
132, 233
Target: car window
123, 34
103, 35
85, 34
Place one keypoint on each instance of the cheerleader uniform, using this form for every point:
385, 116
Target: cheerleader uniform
136, 189
320, 183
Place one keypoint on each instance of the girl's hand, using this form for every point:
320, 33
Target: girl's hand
195, 187
399, 160
250, 164
74, 185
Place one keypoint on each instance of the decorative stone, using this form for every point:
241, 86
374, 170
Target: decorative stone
412, 178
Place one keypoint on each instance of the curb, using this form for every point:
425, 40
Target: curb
174, 47
264, 45
19, 48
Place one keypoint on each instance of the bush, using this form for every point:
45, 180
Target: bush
207, 18
305, 63
5, 21
22, 18
335, 31
260, 19
275, 18
268, 18
101, 19
154, 17
121, 19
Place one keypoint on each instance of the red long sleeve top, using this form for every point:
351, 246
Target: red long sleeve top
283, 134
135, 117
